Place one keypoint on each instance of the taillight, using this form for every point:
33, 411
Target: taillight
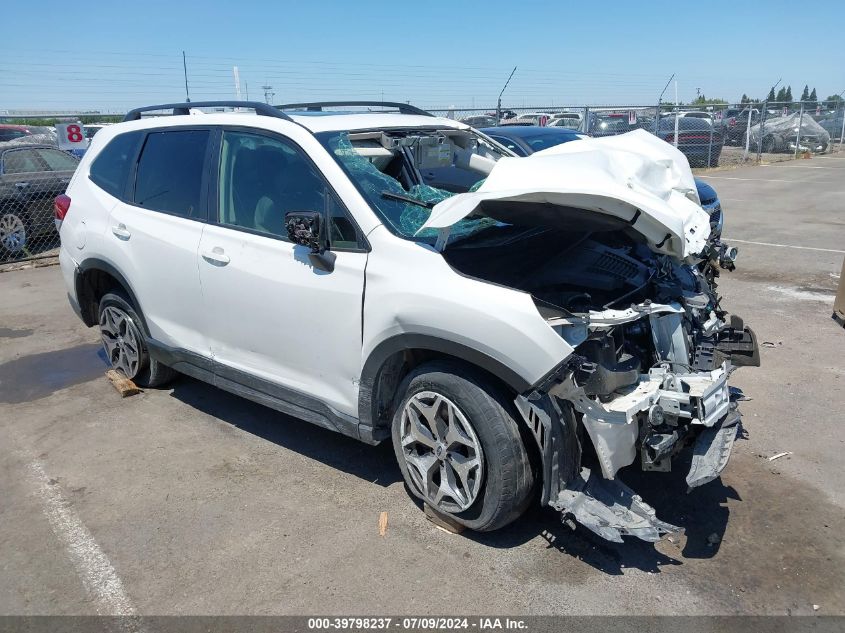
670, 138
732, 121
61, 205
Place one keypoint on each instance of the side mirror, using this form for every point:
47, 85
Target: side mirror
305, 228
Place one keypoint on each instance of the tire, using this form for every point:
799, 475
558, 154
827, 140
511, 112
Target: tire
769, 144
14, 233
714, 158
125, 343
483, 442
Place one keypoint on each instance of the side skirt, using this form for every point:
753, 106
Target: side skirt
269, 394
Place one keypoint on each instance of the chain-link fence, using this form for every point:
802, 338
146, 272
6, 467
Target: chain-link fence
35, 171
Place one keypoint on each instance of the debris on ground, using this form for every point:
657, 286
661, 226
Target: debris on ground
125, 387
779, 455
713, 539
382, 524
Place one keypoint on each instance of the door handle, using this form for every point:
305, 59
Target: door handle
216, 256
121, 232
21, 185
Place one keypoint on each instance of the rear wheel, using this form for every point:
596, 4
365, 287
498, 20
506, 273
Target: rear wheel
459, 446
125, 344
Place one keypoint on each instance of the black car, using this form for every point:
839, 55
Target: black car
529, 139
735, 123
31, 176
699, 141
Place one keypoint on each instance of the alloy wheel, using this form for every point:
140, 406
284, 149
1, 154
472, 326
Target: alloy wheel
442, 451
12, 233
121, 340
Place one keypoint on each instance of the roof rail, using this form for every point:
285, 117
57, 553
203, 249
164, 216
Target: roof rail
317, 106
184, 108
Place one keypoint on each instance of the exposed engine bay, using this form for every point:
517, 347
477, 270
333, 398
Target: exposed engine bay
609, 239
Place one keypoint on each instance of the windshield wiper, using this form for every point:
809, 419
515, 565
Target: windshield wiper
398, 196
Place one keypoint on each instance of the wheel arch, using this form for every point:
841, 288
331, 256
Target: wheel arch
392, 359
95, 277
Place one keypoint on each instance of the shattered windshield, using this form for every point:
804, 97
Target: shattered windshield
403, 174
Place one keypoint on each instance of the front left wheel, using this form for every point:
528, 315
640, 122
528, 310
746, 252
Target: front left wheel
125, 344
459, 446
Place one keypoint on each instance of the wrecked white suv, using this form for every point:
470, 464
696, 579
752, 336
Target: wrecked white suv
550, 326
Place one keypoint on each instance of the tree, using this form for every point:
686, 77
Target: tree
788, 95
781, 96
834, 102
814, 99
771, 96
704, 101
744, 99
805, 96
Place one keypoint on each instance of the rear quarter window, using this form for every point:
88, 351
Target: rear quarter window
110, 170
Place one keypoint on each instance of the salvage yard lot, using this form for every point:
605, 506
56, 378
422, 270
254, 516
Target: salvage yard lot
196, 501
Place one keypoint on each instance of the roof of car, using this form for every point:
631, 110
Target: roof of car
6, 145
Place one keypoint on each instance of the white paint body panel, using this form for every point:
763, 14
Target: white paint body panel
269, 312
615, 176
411, 288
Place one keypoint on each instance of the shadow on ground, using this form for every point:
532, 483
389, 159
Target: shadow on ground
375, 464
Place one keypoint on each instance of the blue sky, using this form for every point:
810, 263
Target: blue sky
435, 54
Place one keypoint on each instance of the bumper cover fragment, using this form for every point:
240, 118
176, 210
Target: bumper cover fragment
712, 450
610, 509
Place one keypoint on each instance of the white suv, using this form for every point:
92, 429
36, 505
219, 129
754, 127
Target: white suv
526, 336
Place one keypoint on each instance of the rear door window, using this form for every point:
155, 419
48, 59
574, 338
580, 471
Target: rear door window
58, 160
110, 170
170, 172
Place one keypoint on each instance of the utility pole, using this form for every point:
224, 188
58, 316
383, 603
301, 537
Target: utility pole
499, 102
185, 70
659, 101
268, 93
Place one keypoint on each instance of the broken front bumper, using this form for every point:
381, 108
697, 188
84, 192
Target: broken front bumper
686, 408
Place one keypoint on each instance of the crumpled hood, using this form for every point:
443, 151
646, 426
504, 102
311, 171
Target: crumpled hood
635, 177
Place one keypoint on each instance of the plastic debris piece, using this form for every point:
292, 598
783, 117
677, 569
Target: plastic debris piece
779, 455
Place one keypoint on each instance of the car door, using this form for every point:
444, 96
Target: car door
153, 234
279, 320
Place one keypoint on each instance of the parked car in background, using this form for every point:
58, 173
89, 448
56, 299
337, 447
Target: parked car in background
570, 120
698, 140
601, 124
693, 114
523, 141
735, 124
832, 124
31, 176
480, 120
788, 133
12, 132
535, 118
